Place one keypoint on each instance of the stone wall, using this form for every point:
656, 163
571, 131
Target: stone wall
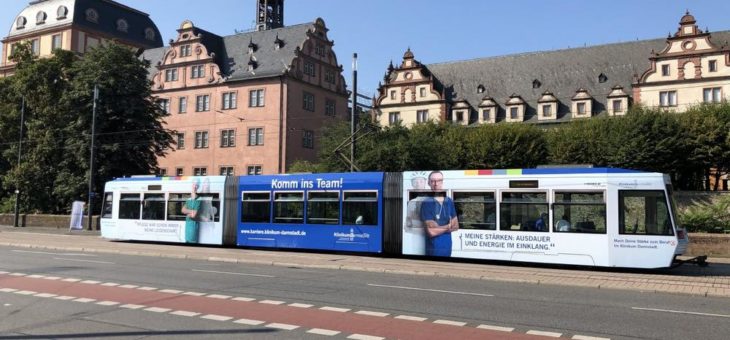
48, 221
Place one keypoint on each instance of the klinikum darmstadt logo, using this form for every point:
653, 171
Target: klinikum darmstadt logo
351, 236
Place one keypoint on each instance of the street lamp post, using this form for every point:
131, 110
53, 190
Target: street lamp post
20, 149
91, 158
354, 112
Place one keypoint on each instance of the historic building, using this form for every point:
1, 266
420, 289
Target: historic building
250, 103
558, 86
77, 25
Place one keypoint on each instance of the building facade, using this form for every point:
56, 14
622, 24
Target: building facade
77, 26
250, 103
559, 86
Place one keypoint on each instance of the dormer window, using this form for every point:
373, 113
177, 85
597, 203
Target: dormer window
92, 15
665, 70
480, 89
252, 47
61, 12
122, 25
252, 64
40, 18
278, 43
20, 23
536, 84
185, 51
582, 104
602, 78
712, 66
149, 34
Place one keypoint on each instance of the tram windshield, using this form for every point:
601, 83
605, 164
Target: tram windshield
644, 212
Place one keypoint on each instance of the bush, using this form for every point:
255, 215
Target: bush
707, 217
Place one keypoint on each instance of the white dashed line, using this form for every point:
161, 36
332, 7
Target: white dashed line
300, 305
548, 334
157, 309
411, 318
585, 337
230, 273
70, 279
77, 260
282, 326
335, 309
131, 306
53, 278
450, 323
431, 290
35, 276
84, 300
7, 290
45, 295
184, 313
17, 274
272, 302
64, 297
91, 282
218, 296
193, 293
170, 291
249, 322
321, 331
3, 273
366, 312
128, 286
216, 317
110, 284
364, 337
496, 328
107, 303
26, 292
680, 312
147, 288
245, 299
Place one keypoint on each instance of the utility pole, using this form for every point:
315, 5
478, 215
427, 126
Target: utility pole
91, 158
20, 153
354, 112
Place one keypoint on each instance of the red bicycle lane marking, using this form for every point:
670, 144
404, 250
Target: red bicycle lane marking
303, 317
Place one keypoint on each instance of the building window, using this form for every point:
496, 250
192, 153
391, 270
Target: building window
329, 76
197, 71
256, 98
308, 139
713, 65
459, 116
665, 70
712, 95
392, 94
178, 172
164, 105
20, 23
513, 112
228, 138
422, 91
171, 74
227, 171
92, 15
61, 12
254, 170
486, 114
35, 46
202, 103
180, 140
668, 98
162, 172
256, 136
421, 116
183, 105
201, 171
122, 25
547, 110
319, 50
393, 117
581, 108
617, 105
149, 34
308, 101
329, 107
309, 68
56, 42
185, 51
229, 100
201, 139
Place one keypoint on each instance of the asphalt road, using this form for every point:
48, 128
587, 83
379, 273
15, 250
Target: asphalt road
522, 309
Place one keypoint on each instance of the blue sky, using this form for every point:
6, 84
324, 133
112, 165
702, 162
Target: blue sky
438, 30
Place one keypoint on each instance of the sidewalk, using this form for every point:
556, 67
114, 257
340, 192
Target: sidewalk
712, 281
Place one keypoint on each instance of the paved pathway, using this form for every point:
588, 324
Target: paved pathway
711, 281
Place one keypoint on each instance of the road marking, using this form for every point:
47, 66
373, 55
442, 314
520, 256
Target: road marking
147, 288
17, 274
170, 291
157, 309
272, 302
131, 306
53, 278
249, 322
128, 286
282, 326
335, 309
91, 282
245, 299
184, 313
64, 297
110, 284
26, 292
84, 300
216, 317
548, 334
218, 296
193, 293
49, 253
301, 305
35, 276
585, 337
450, 323
7, 290
3, 272
496, 328
321, 331
45, 295
411, 318
367, 312
107, 303
364, 337
70, 279
681, 312
77, 260
430, 290
230, 273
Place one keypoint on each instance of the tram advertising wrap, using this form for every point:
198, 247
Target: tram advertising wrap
338, 211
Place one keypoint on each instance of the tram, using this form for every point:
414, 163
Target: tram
600, 217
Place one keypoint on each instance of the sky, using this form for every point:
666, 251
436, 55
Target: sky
437, 31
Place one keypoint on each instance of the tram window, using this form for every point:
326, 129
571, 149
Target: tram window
323, 207
476, 210
360, 208
106, 207
523, 211
413, 218
644, 212
579, 212
153, 207
175, 204
289, 207
210, 207
256, 207
129, 206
